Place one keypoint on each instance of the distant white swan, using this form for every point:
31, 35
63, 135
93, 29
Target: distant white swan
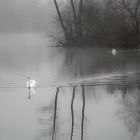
31, 83
114, 51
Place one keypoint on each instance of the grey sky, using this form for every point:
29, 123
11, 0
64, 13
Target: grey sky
26, 15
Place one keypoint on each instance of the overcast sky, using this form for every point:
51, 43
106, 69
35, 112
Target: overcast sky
26, 15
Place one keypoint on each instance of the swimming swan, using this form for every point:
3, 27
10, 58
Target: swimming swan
114, 51
31, 83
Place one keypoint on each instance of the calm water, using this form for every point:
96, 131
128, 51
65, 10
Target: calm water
112, 91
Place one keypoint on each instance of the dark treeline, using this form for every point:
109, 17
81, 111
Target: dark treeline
98, 22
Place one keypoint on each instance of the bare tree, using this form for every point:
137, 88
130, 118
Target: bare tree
133, 12
74, 14
61, 20
80, 19
105, 22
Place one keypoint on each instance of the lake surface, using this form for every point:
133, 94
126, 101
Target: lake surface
111, 87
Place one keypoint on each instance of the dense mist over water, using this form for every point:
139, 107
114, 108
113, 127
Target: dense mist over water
26, 15
85, 93
23, 55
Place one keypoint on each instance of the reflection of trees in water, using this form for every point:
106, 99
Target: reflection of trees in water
49, 122
91, 92
113, 89
46, 119
75, 63
130, 109
130, 104
92, 60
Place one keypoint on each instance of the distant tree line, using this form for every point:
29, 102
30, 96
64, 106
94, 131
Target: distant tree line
98, 22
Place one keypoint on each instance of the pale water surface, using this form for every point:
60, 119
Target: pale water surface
112, 95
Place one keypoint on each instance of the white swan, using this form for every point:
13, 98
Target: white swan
31, 83
114, 51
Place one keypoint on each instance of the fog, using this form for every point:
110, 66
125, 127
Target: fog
26, 15
105, 107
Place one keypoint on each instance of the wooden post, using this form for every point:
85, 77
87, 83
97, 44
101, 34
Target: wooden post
83, 112
72, 112
55, 113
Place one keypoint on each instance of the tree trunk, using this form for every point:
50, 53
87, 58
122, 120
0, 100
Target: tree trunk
133, 14
137, 22
74, 19
61, 20
80, 19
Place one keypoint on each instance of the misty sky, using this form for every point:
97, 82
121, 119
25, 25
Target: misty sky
26, 15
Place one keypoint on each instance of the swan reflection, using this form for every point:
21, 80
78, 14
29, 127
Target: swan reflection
31, 85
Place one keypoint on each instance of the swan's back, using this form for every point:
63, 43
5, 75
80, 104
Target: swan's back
31, 84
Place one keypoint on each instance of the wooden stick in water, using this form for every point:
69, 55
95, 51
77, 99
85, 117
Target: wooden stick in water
72, 112
83, 112
55, 113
